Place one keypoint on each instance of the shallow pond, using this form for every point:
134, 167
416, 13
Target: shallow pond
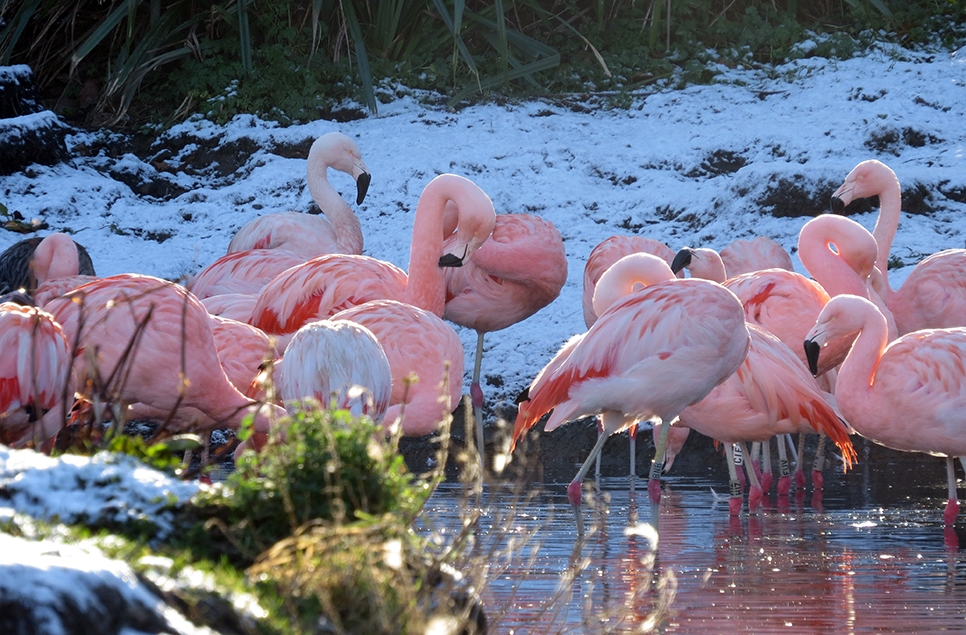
870, 554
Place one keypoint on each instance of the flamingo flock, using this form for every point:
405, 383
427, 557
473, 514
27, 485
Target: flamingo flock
745, 350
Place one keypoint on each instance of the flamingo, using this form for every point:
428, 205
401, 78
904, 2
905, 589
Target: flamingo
648, 356
32, 261
244, 272
335, 362
519, 270
909, 394
327, 284
771, 393
235, 306
417, 344
310, 235
149, 341
33, 374
934, 293
242, 349
746, 255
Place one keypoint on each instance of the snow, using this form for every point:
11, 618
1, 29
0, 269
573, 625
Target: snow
594, 172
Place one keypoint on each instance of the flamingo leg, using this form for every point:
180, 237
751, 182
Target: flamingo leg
784, 471
755, 460
573, 490
754, 490
476, 393
657, 465
952, 507
632, 434
734, 503
818, 479
767, 477
738, 457
600, 431
799, 462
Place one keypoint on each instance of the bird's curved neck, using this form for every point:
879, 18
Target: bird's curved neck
857, 373
890, 207
426, 288
828, 267
345, 224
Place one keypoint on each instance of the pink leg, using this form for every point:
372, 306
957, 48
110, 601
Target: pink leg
736, 500
952, 507
754, 491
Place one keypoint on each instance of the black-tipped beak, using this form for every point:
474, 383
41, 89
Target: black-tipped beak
362, 187
523, 396
681, 260
838, 205
812, 350
449, 260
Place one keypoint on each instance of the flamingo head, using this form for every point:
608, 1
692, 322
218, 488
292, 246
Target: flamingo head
868, 178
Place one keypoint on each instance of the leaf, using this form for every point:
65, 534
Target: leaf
362, 59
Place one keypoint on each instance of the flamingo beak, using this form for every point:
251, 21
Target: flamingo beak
812, 349
450, 260
838, 205
362, 186
681, 260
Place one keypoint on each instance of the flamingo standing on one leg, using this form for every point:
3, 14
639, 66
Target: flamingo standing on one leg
338, 231
519, 270
28, 263
934, 294
328, 284
149, 341
650, 355
33, 375
907, 395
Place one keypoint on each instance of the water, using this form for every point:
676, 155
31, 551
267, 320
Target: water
870, 555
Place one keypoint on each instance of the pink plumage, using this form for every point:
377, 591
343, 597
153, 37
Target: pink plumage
33, 374
934, 294
242, 272
328, 284
417, 344
338, 230
753, 254
242, 349
909, 394
143, 339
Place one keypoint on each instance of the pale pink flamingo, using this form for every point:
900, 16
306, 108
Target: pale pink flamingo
323, 286
519, 270
30, 262
242, 272
934, 293
145, 340
55, 287
601, 258
33, 375
754, 254
649, 356
420, 346
338, 230
771, 393
909, 394
334, 362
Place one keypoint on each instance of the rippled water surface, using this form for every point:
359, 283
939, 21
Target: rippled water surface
866, 556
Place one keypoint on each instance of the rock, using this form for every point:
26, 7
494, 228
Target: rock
28, 134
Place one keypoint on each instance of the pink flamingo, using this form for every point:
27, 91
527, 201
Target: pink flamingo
420, 346
770, 394
650, 355
338, 231
754, 254
145, 340
235, 306
244, 272
519, 270
242, 349
907, 395
934, 294
328, 284
33, 375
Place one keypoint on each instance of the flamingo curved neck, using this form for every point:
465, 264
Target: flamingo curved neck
857, 373
426, 287
345, 224
890, 208
827, 266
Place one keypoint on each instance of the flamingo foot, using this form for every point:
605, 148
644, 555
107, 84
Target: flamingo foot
654, 490
800, 479
784, 485
766, 479
734, 505
476, 394
818, 479
951, 513
754, 499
